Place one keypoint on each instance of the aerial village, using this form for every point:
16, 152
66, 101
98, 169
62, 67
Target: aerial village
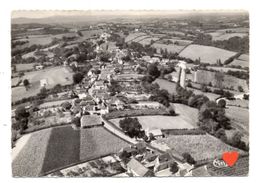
148, 98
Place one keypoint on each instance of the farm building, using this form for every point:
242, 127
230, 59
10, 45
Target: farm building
137, 169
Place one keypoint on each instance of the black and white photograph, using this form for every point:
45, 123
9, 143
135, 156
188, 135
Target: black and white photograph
130, 93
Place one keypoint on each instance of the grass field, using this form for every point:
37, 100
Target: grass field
199, 146
23, 67
55, 75
225, 69
207, 54
160, 122
63, 147
147, 41
239, 116
170, 48
171, 88
226, 36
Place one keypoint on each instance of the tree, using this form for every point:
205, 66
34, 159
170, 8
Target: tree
240, 88
131, 126
153, 70
188, 158
26, 83
174, 168
77, 77
76, 121
222, 103
197, 100
21, 116
221, 134
66, 105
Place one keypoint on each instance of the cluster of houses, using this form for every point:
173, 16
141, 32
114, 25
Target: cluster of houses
141, 161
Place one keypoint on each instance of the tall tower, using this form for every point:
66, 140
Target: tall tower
182, 73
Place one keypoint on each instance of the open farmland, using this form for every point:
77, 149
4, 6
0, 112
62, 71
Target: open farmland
64, 147
239, 116
55, 75
242, 60
29, 159
201, 147
133, 36
171, 48
147, 41
207, 54
171, 88
205, 77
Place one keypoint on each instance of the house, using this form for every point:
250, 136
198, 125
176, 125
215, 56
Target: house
157, 133
163, 161
43, 82
135, 168
39, 67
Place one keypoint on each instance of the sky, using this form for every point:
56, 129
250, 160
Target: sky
44, 14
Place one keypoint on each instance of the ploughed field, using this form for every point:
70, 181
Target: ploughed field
60, 147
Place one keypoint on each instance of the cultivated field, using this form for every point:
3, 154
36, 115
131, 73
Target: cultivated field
242, 60
199, 146
133, 36
64, 146
53, 76
207, 54
29, 161
172, 48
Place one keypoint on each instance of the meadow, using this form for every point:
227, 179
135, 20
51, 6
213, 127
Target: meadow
55, 75
207, 54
